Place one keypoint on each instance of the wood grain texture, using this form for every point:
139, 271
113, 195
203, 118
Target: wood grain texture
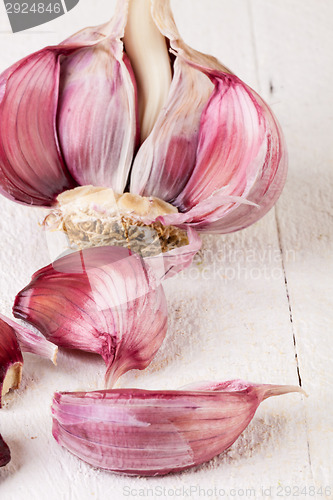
255, 305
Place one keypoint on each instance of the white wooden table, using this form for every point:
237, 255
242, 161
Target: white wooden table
255, 305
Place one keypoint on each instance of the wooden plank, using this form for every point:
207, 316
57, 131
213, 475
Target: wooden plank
295, 42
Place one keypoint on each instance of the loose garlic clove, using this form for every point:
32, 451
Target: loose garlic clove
102, 300
31, 342
149, 433
11, 361
4, 453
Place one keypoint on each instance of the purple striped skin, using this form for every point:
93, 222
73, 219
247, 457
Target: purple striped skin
36, 161
31, 166
10, 353
4, 453
239, 165
103, 300
164, 162
239, 171
150, 433
30, 342
97, 102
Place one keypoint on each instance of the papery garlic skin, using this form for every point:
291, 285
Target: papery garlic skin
239, 146
11, 361
97, 103
103, 300
31, 167
165, 161
35, 96
31, 342
138, 432
4, 453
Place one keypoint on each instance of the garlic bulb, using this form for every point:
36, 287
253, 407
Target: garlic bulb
129, 106
4, 453
151, 433
103, 300
11, 361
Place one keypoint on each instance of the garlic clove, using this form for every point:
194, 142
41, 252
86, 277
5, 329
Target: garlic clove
164, 162
32, 170
31, 164
97, 103
251, 161
152, 68
4, 453
239, 149
32, 167
232, 144
31, 342
11, 361
150, 433
101, 300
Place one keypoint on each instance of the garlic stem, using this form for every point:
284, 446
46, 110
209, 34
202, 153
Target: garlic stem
147, 50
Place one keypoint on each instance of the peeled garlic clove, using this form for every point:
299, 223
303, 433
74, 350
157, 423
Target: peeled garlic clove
152, 68
97, 123
11, 361
101, 300
31, 342
4, 453
150, 433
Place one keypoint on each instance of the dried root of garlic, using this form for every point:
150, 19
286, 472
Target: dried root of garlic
92, 216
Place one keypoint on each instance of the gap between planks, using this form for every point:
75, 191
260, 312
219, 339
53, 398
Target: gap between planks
283, 264
279, 235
